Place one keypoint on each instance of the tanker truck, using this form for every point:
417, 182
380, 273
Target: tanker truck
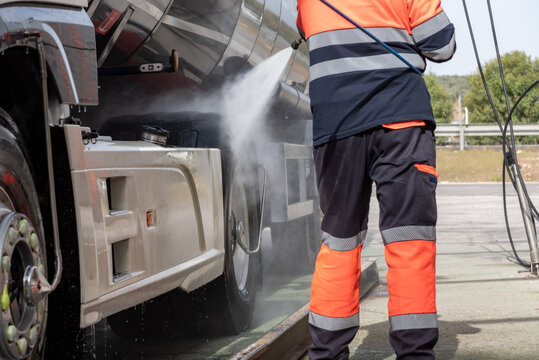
114, 204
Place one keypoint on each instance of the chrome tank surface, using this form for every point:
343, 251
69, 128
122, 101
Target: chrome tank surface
214, 38
123, 26
199, 30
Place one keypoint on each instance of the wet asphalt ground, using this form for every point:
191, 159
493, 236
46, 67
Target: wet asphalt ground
284, 291
488, 308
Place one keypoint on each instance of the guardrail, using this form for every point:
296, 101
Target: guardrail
463, 130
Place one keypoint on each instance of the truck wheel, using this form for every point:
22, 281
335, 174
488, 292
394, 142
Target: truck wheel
239, 281
23, 324
242, 271
226, 304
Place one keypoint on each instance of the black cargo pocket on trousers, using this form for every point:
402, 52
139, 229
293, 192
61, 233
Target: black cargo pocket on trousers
426, 180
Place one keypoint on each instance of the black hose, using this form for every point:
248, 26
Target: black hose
508, 121
506, 217
500, 66
509, 112
509, 148
522, 97
504, 140
513, 143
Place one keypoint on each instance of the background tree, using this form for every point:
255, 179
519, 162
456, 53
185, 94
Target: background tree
455, 84
520, 72
442, 104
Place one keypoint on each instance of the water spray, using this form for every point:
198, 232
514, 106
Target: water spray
244, 103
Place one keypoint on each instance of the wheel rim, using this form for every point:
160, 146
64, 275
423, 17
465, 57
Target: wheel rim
6, 205
22, 321
239, 227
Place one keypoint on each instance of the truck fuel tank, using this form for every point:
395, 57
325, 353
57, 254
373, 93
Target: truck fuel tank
214, 38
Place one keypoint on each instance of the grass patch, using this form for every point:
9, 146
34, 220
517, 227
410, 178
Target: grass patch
483, 164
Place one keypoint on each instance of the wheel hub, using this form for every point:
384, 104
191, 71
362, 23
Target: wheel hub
24, 287
240, 232
36, 285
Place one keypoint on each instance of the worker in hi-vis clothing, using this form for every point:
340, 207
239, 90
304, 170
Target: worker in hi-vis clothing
373, 121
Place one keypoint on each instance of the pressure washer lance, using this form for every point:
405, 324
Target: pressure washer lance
296, 43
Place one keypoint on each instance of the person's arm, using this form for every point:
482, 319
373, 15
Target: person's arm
432, 31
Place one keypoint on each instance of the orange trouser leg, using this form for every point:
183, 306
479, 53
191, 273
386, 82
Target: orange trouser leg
334, 307
412, 298
411, 277
335, 285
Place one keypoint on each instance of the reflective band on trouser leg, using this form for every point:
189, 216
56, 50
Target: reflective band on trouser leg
408, 233
412, 292
413, 321
343, 244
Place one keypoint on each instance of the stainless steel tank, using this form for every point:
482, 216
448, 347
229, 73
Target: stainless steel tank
214, 39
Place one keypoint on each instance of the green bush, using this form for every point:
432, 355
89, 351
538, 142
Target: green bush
442, 105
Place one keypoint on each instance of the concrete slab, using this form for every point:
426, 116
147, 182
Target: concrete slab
487, 308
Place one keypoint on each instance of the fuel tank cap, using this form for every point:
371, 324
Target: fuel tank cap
154, 134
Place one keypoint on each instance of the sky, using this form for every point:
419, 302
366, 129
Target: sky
517, 28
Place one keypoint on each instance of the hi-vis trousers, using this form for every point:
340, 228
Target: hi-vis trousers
402, 164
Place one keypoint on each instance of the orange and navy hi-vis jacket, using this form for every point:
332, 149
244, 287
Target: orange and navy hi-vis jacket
355, 83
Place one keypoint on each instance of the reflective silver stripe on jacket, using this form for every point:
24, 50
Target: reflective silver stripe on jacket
333, 323
443, 53
413, 321
365, 63
356, 36
407, 233
343, 244
430, 27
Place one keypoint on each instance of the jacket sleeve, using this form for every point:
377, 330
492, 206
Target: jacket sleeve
432, 31
299, 24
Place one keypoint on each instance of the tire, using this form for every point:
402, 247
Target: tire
242, 271
18, 203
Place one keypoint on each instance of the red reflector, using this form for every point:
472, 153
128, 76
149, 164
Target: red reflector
109, 22
150, 219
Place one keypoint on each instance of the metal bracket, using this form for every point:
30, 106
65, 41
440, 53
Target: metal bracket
108, 48
150, 68
258, 246
529, 225
89, 137
52, 189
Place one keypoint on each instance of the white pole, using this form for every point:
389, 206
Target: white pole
461, 128
460, 108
